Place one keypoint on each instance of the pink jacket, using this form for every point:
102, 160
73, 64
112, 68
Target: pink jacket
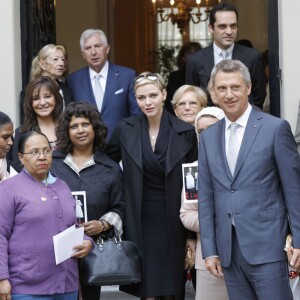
189, 218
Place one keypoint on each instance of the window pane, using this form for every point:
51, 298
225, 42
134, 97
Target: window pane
199, 32
168, 34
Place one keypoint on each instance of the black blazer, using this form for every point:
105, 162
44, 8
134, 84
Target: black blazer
201, 63
65, 91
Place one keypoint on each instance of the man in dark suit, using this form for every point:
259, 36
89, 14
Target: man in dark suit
223, 25
249, 192
107, 86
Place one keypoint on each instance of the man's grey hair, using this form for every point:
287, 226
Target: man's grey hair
90, 32
230, 66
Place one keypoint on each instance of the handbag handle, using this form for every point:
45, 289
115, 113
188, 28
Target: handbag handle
117, 238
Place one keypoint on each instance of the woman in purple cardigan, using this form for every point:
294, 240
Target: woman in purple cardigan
35, 206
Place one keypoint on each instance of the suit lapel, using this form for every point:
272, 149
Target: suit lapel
209, 62
111, 81
238, 53
176, 142
251, 131
223, 149
87, 85
132, 142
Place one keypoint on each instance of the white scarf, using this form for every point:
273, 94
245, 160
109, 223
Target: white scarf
3, 169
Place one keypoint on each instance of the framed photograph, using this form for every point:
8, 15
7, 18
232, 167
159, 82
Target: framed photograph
190, 182
81, 208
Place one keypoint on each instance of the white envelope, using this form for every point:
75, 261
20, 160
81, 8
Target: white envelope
65, 241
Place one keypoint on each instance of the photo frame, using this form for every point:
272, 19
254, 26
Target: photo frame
81, 207
190, 182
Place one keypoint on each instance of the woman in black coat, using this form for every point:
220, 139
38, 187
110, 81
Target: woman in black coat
153, 146
7, 169
83, 166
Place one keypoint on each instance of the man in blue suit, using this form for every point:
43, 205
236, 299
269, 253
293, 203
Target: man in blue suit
101, 83
249, 192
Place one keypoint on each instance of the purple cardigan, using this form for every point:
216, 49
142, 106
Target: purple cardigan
27, 227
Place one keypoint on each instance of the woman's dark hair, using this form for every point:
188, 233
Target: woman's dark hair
4, 119
33, 88
223, 6
25, 136
83, 110
187, 48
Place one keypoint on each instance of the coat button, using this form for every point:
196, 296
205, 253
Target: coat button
232, 190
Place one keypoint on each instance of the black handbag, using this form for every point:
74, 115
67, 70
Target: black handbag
112, 262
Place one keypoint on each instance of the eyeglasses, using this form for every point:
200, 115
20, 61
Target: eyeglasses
191, 104
149, 76
37, 153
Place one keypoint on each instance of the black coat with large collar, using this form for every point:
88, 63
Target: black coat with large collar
126, 144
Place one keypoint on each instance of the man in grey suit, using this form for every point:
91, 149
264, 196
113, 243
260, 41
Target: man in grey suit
249, 192
223, 25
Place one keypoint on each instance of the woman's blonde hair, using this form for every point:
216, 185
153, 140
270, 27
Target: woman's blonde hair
199, 93
146, 78
46, 51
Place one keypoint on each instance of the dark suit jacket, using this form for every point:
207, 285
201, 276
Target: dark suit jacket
297, 132
261, 195
126, 144
66, 91
201, 63
10, 165
119, 100
175, 81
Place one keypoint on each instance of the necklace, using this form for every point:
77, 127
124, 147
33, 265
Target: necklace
42, 189
153, 138
153, 141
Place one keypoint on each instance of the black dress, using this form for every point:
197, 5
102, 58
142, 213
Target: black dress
155, 242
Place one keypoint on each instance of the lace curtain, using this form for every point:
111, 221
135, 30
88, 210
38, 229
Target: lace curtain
168, 34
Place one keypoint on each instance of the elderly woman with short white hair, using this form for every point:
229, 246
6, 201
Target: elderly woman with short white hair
187, 101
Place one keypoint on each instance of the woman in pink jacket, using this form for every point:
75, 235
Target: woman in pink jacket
208, 286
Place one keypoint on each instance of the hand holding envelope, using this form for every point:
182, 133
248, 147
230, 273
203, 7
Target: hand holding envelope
70, 243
